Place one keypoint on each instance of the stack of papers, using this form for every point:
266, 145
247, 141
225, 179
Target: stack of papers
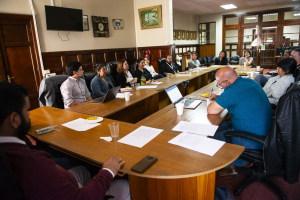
121, 95
140, 136
201, 129
147, 87
80, 125
154, 83
189, 74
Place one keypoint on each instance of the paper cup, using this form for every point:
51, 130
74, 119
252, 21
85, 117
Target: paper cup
127, 96
257, 68
179, 108
245, 64
252, 74
208, 102
137, 86
114, 129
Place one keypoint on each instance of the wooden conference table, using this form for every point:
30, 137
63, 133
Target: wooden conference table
179, 173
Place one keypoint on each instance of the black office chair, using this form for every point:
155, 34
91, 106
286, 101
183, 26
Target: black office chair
8, 184
211, 60
160, 63
276, 145
88, 77
234, 60
111, 68
132, 68
49, 92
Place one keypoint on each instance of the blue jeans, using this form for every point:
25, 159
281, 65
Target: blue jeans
158, 76
220, 135
261, 79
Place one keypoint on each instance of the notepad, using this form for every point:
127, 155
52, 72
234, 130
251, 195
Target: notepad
147, 87
191, 127
80, 125
197, 143
141, 136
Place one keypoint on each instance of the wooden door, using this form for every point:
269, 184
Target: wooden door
19, 61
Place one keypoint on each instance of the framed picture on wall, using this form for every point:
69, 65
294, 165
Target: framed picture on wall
85, 23
187, 35
150, 17
191, 35
174, 34
118, 24
195, 35
183, 35
100, 26
178, 34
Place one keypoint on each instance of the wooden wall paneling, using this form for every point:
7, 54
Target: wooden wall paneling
131, 56
111, 56
100, 58
93, 58
87, 62
79, 58
207, 50
71, 58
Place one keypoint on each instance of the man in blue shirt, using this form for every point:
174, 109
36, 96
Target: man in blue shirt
248, 105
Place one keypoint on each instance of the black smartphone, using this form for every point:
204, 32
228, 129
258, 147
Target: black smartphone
144, 164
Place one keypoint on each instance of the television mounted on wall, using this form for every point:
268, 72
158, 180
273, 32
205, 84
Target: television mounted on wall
63, 19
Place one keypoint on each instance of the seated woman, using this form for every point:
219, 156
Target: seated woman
151, 69
124, 77
100, 83
246, 59
222, 59
276, 86
141, 71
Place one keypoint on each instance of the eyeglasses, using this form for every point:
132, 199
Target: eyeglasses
219, 84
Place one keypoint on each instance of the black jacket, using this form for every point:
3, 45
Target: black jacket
138, 73
224, 61
297, 73
282, 146
165, 68
122, 80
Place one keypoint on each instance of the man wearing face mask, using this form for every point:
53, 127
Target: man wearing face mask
249, 107
35, 171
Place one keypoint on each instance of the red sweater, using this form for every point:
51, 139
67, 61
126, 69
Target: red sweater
40, 178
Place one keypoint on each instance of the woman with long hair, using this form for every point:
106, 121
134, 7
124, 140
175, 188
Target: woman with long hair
246, 59
222, 59
141, 71
124, 77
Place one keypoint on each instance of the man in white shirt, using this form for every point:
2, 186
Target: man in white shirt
151, 69
193, 63
74, 90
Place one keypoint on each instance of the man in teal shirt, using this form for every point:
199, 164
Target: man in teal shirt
248, 105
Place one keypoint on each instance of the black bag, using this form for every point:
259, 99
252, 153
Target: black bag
222, 193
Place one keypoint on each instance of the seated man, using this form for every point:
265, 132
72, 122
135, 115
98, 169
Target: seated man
74, 90
193, 62
167, 67
249, 107
35, 171
296, 55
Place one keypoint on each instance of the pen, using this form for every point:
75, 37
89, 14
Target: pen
212, 89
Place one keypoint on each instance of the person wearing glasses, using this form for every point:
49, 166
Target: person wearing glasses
277, 86
100, 83
250, 111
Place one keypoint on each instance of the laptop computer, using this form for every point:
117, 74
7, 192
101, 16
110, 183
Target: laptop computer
176, 97
111, 94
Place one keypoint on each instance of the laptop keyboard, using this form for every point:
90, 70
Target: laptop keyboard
188, 102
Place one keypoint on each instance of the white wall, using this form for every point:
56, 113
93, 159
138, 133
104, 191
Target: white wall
183, 21
49, 40
217, 17
157, 36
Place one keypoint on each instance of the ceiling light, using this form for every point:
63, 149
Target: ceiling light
251, 18
228, 6
297, 14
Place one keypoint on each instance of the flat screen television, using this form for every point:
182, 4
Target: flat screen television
63, 19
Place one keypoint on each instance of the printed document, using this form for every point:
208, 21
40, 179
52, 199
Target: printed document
147, 87
197, 143
80, 125
140, 136
191, 127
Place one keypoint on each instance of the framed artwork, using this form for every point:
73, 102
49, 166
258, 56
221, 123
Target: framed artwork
174, 34
195, 35
150, 17
187, 35
191, 35
178, 34
118, 24
183, 35
100, 26
85, 23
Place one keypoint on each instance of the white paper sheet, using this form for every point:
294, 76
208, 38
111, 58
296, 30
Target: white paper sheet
191, 127
154, 83
197, 143
147, 87
121, 95
126, 89
189, 74
80, 125
140, 136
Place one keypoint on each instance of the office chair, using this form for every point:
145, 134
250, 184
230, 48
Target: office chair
234, 60
160, 63
8, 184
281, 146
111, 68
88, 77
49, 92
185, 84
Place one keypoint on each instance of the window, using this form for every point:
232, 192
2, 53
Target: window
233, 20
231, 42
251, 19
270, 17
292, 15
250, 42
207, 33
291, 35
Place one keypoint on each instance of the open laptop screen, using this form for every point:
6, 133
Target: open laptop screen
174, 93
